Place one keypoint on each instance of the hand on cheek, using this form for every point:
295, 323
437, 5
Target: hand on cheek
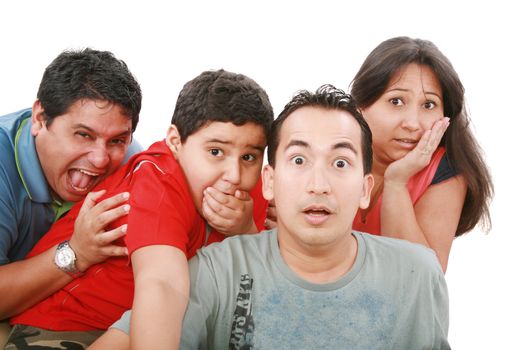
400, 171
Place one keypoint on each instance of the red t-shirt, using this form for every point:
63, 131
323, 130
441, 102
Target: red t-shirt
162, 212
417, 185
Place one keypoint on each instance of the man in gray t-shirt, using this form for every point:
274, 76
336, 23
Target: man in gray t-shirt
312, 282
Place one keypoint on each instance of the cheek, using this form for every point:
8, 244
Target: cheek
116, 157
250, 178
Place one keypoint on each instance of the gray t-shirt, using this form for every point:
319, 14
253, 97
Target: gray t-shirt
244, 296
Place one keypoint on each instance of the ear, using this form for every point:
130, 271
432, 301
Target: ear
173, 140
267, 177
38, 119
368, 184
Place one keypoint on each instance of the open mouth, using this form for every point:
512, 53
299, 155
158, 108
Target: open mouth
82, 180
317, 212
316, 215
407, 141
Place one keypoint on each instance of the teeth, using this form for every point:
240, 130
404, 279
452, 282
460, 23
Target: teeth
87, 172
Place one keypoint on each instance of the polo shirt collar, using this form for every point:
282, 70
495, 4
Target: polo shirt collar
28, 165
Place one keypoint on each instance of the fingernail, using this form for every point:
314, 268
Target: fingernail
126, 208
125, 195
124, 228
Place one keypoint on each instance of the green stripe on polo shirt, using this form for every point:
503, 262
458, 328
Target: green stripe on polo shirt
17, 138
61, 208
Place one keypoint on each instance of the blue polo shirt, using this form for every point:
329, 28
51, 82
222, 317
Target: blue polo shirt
27, 209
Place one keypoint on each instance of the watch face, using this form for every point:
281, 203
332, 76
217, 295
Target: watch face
64, 257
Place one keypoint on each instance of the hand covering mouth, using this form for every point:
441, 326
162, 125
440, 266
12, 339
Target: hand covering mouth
82, 180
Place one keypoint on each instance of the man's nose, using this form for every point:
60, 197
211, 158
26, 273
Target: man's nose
99, 156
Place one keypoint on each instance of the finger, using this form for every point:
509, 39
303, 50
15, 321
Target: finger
269, 224
437, 132
113, 250
225, 187
107, 237
213, 219
91, 200
111, 202
242, 195
107, 217
221, 208
271, 213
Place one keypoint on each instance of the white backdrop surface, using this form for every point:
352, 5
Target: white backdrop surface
291, 45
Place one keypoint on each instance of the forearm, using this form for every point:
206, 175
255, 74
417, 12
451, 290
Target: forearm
161, 296
398, 218
158, 310
24, 283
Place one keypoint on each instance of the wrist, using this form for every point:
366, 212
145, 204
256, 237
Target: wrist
66, 259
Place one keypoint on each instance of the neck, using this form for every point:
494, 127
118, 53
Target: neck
378, 168
319, 264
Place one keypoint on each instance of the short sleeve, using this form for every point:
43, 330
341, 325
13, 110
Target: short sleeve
444, 171
162, 211
8, 227
203, 295
123, 323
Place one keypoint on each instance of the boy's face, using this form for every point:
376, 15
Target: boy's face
318, 182
220, 155
81, 147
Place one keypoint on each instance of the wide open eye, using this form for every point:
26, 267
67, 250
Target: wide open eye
298, 160
249, 157
341, 163
216, 152
429, 105
396, 101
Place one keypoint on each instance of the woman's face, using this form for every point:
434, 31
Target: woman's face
411, 104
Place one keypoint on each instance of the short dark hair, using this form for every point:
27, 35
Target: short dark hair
88, 74
221, 96
329, 97
463, 151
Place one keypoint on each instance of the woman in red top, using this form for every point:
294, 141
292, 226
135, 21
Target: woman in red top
431, 183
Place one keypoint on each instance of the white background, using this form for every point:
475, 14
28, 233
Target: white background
290, 45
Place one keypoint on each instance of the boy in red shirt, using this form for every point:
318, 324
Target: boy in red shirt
202, 172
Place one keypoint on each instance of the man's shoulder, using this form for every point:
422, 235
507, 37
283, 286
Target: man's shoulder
239, 246
12, 120
391, 249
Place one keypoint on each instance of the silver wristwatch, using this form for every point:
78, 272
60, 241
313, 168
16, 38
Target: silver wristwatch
65, 259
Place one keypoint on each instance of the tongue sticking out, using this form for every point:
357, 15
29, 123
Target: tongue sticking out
80, 180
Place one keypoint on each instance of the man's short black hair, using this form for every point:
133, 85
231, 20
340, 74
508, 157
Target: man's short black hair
88, 74
329, 97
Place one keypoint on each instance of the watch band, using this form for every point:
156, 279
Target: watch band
64, 250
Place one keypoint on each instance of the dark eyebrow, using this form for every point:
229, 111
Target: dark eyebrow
297, 143
426, 92
259, 148
83, 126
346, 145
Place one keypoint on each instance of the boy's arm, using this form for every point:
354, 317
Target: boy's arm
113, 339
161, 296
26, 282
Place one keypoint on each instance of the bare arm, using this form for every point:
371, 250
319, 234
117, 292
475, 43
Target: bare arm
161, 296
25, 283
434, 219
432, 222
113, 339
